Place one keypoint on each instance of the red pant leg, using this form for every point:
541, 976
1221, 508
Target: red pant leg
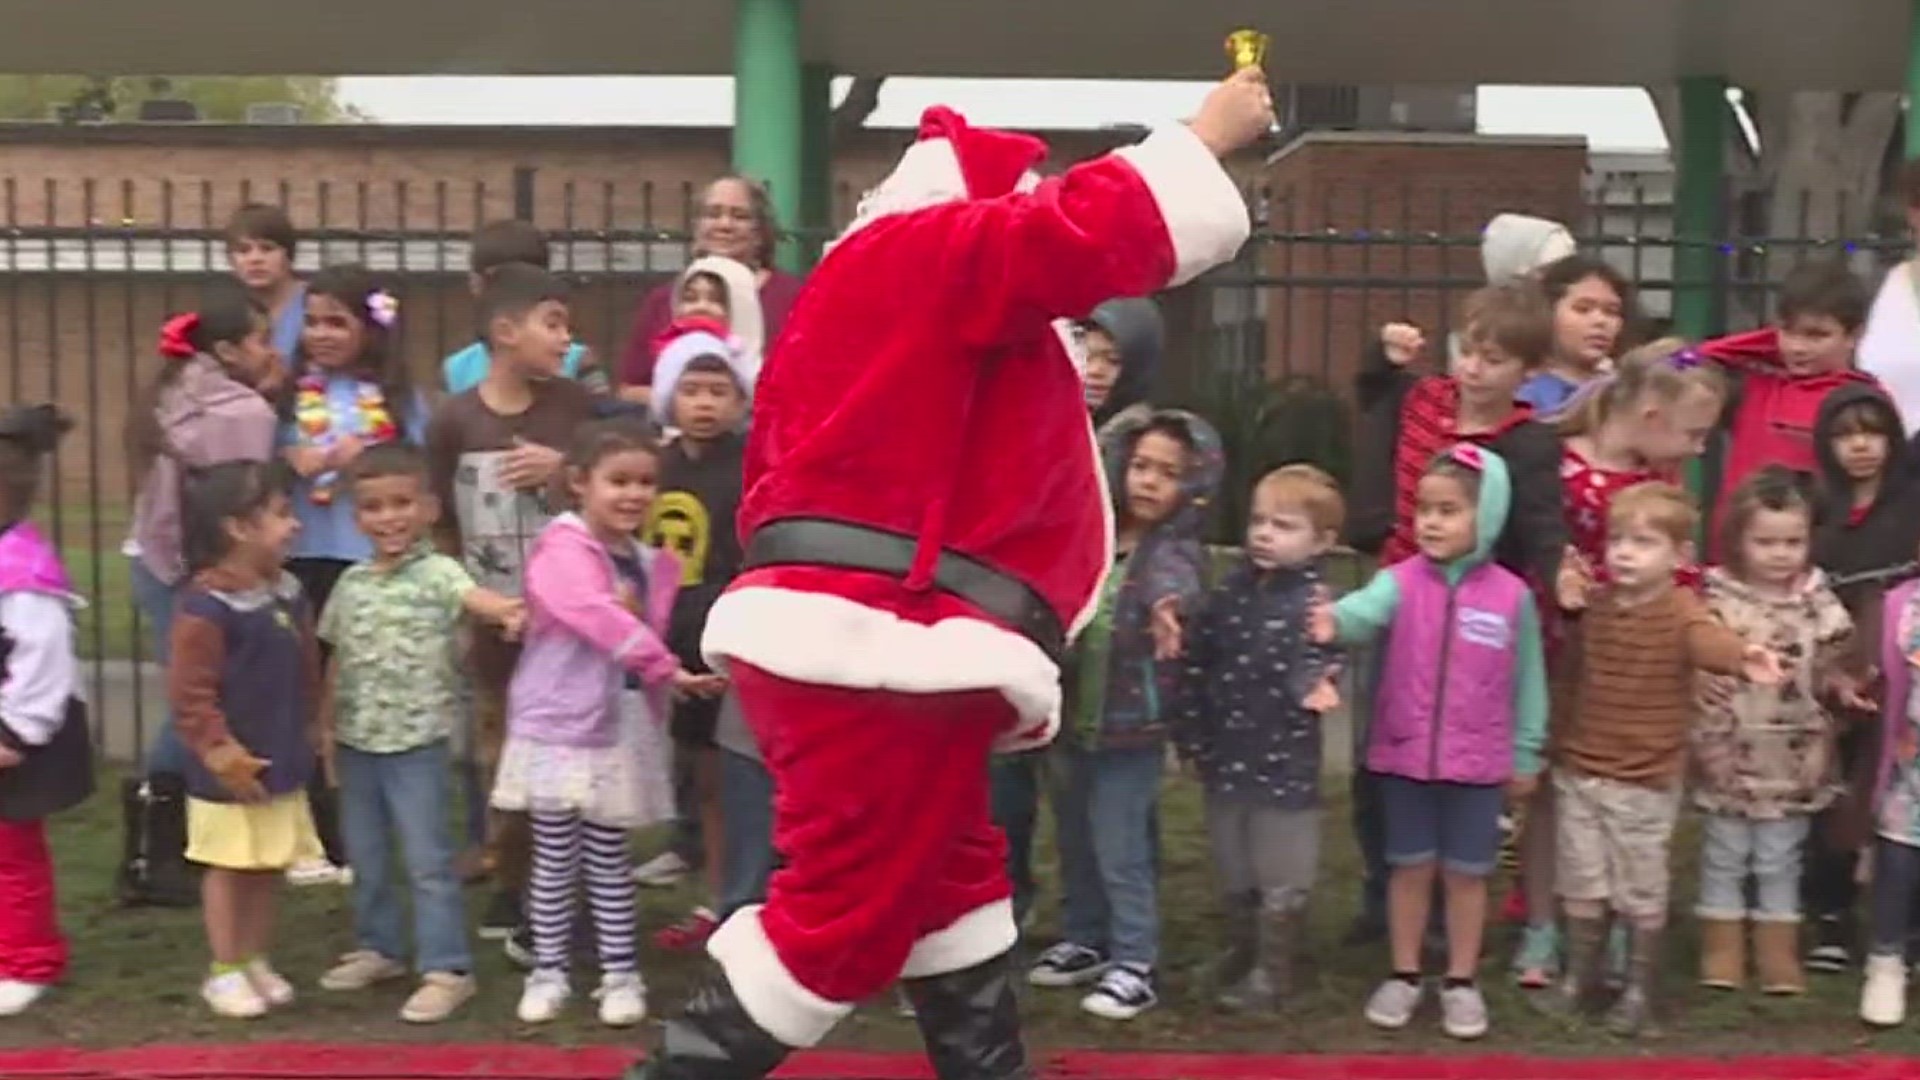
881, 811
32, 949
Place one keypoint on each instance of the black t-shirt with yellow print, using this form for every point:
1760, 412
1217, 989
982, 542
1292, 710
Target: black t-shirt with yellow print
694, 517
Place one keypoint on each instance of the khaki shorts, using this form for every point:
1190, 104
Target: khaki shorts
1614, 842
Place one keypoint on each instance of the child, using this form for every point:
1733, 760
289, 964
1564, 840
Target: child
578, 746
1896, 812
1123, 340
243, 684
390, 695
491, 460
46, 758
714, 293
1763, 756
261, 244
1253, 695
496, 244
1866, 528
1618, 758
351, 391
1163, 468
703, 387
1445, 761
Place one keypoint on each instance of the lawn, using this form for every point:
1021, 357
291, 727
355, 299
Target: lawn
135, 974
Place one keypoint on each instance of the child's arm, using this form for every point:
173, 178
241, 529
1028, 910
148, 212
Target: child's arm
1713, 648
311, 674
198, 653
1537, 523
443, 458
1380, 392
40, 671
1360, 615
1753, 352
327, 722
1833, 649
1529, 693
569, 580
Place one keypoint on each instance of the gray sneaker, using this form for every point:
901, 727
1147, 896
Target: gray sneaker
1463, 1012
1393, 1003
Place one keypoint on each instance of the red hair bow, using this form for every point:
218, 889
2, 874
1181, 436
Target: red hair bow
176, 337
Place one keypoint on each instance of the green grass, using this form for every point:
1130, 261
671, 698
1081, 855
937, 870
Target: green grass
89, 538
135, 974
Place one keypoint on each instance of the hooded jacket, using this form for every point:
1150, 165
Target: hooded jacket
1868, 550
1139, 334
1116, 692
1463, 688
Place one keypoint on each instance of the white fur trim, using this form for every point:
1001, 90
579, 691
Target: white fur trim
1205, 213
771, 995
832, 641
1107, 529
973, 938
927, 174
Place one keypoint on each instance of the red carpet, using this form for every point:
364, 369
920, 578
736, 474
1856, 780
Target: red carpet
375, 1061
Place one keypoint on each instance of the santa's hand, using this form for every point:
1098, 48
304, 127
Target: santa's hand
1402, 342
1236, 113
1166, 629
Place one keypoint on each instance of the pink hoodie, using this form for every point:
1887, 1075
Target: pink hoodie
207, 417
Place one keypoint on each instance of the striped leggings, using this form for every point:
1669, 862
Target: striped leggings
561, 842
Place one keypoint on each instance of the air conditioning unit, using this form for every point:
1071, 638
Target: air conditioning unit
76, 114
169, 111
274, 112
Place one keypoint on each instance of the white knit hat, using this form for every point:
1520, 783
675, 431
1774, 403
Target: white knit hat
684, 349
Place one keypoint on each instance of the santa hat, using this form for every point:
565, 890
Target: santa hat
694, 340
951, 162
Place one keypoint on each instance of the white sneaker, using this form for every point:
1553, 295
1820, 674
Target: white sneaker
545, 996
1883, 998
623, 999
661, 871
360, 969
1393, 1003
17, 997
318, 872
1463, 1012
232, 995
274, 990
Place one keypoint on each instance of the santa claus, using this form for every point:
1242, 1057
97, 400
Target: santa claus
926, 528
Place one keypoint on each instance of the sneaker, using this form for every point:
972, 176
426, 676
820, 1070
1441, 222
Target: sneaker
661, 871
1067, 964
276, 991
1392, 1004
546, 994
518, 946
623, 999
1124, 992
318, 872
441, 993
1832, 945
360, 969
1883, 999
502, 917
689, 934
231, 995
17, 997
1537, 962
1463, 1012
903, 1005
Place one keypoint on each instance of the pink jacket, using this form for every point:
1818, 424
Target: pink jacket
207, 417
582, 638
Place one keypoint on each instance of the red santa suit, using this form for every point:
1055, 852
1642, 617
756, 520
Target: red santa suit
926, 526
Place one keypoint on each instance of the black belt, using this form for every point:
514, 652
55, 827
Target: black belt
814, 542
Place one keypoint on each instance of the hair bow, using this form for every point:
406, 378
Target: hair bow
1687, 358
176, 337
1467, 454
383, 308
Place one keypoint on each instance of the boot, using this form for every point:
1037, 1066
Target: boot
713, 1039
1723, 953
1632, 1013
971, 1022
1586, 948
1235, 963
1270, 979
1776, 954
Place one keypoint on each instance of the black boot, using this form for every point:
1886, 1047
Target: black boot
712, 1039
971, 1022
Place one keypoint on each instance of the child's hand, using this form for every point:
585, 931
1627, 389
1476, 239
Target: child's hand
1850, 692
1403, 342
308, 461
1761, 667
329, 758
9, 757
1324, 697
344, 450
513, 623
1166, 629
238, 772
1575, 581
691, 684
1521, 788
529, 465
1322, 627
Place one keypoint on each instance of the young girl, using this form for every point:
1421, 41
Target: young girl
1896, 812
584, 756
1763, 756
46, 760
351, 391
1458, 724
1641, 422
207, 404
243, 685
1591, 302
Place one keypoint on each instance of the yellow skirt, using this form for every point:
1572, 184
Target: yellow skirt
263, 836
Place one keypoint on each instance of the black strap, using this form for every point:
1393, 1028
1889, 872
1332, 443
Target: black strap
815, 542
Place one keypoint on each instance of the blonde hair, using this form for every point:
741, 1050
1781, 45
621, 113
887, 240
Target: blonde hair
1666, 507
1658, 369
1307, 489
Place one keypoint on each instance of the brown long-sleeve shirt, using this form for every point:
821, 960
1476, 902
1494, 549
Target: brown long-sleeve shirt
1633, 702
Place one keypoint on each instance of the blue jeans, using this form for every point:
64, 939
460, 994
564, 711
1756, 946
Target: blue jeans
746, 811
404, 793
1732, 848
1015, 780
1104, 807
165, 752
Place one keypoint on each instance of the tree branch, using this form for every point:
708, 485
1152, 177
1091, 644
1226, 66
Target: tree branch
863, 97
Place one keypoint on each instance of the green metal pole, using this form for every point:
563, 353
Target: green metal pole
1913, 83
767, 104
816, 159
1697, 222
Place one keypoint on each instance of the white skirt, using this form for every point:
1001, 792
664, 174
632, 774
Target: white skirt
628, 785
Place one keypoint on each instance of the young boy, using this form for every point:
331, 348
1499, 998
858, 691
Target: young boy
1163, 468
491, 457
260, 248
1405, 420
494, 245
1617, 769
704, 387
1252, 697
387, 711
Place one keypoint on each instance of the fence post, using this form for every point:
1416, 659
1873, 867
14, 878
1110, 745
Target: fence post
1913, 83
766, 103
816, 160
1697, 219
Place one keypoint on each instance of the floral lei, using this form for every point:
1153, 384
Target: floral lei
313, 417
